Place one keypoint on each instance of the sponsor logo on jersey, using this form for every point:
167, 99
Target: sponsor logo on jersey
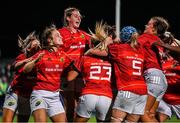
76, 46
53, 69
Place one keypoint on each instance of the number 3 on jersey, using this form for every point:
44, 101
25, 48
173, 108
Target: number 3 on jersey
96, 73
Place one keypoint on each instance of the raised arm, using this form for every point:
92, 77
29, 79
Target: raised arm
31, 64
101, 51
19, 64
97, 52
169, 47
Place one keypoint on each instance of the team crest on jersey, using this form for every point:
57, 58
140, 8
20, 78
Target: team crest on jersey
38, 103
82, 36
62, 59
11, 103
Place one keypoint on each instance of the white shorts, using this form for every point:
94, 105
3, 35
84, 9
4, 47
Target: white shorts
129, 102
89, 103
156, 82
41, 99
168, 109
17, 103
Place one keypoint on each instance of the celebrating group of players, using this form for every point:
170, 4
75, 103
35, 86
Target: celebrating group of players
68, 74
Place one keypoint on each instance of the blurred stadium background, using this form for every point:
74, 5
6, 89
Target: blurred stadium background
23, 17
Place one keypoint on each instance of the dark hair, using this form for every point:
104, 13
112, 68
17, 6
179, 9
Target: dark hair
111, 31
47, 33
160, 24
68, 13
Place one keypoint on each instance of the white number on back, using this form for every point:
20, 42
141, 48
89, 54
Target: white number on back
95, 72
135, 65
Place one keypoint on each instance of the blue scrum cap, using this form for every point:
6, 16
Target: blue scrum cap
126, 33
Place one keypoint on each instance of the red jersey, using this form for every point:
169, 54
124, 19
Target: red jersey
128, 65
49, 70
97, 75
22, 83
152, 57
74, 43
20, 57
172, 71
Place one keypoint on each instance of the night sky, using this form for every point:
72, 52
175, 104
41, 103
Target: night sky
22, 17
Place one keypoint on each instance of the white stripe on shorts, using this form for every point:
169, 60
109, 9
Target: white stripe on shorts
126, 94
156, 80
